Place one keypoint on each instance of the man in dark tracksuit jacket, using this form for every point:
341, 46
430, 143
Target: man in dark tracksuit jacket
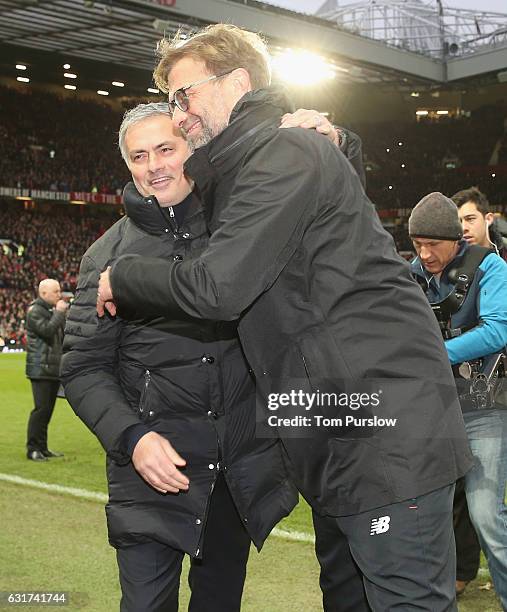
324, 303
182, 382
45, 321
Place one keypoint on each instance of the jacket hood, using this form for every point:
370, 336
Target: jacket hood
147, 213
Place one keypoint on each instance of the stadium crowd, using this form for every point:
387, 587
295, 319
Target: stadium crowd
37, 245
406, 161
403, 161
75, 153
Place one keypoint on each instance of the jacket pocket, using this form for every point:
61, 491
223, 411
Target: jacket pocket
321, 356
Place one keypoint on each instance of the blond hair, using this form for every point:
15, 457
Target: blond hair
222, 48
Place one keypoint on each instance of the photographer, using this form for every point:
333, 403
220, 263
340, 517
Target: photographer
467, 287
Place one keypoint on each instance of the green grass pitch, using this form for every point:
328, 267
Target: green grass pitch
53, 542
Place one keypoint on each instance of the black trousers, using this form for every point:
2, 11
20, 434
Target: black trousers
150, 573
44, 398
468, 549
398, 557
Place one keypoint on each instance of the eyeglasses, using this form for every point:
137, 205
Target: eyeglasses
180, 99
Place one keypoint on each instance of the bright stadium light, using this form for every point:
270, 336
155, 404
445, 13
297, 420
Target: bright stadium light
20, 67
101, 92
421, 113
70, 87
118, 84
153, 90
66, 66
70, 75
442, 112
23, 79
302, 67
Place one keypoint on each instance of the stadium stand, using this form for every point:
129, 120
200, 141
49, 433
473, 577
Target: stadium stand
75, 153
79, 153
36, 245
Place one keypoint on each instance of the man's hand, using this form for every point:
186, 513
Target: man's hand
105, 295
61, 306
157, 462
311, 119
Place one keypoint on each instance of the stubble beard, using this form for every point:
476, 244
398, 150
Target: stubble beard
210, 127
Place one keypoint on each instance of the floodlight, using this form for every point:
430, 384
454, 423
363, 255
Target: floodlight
302, 67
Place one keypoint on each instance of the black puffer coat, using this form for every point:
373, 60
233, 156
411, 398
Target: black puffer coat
44, 335
298, 255
185, 379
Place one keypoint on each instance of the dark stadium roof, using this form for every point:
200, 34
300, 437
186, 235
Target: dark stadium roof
120, 33
116, 31
115, 40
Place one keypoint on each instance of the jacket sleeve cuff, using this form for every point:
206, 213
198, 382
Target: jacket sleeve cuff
131, 437
141, 287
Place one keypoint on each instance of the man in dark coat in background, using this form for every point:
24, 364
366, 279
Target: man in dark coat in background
45, 321
343, 345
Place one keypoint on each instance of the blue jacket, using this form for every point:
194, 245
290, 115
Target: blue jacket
485, 306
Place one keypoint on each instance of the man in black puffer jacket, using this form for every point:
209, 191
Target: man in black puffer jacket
45, 321
172, 402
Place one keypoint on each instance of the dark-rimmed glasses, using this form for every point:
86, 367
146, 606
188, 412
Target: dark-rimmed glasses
180, 99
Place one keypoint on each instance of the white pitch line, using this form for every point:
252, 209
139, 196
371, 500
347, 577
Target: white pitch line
55, 488
286, 534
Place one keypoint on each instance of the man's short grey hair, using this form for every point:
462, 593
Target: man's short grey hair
136, 114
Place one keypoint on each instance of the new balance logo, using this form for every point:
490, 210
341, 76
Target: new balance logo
380, 525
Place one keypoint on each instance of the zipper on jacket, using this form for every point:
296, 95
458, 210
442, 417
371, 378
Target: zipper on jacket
147, 380
305, 365
206, 512
173, 224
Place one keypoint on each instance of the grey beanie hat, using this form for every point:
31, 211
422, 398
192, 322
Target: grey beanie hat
435, 216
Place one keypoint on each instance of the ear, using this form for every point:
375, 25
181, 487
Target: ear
490, 217
240, 81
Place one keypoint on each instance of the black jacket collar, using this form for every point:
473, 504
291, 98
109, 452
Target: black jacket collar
43, 303
257, 110
147, 213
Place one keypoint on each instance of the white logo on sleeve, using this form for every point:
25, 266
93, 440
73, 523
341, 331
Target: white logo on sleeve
380, 525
